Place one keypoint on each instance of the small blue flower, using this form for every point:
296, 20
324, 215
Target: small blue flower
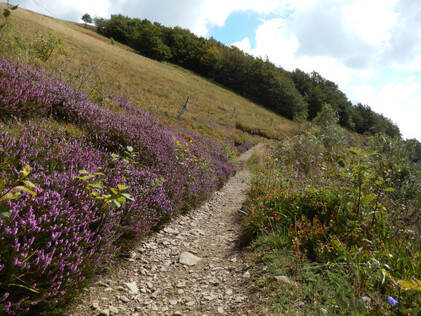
391, 301
416, 281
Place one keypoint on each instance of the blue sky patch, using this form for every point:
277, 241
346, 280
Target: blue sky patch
238, 26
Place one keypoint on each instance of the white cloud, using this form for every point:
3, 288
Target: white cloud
366, 74
364, 94
274, 40
399, 101
396, 94
322, 30
371, 19
93, 7
328, 67
71, 10
244, 45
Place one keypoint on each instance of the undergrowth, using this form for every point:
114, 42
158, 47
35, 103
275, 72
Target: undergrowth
342, 223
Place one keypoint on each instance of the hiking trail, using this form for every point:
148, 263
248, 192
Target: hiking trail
192, 266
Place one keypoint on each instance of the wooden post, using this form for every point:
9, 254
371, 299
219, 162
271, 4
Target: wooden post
184, 108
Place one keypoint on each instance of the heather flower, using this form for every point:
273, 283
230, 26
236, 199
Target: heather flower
62, 234
5, 296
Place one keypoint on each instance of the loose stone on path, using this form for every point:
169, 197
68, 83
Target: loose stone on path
189, 259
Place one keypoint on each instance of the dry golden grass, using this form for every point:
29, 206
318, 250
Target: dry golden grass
158, 87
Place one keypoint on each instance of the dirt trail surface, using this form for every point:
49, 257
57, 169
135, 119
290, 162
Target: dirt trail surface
191, 267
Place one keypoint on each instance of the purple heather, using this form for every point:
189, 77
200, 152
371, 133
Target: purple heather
64, 233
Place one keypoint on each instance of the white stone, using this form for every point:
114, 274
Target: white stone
285, 279
209, 297
104, 312
132, 286
113, 309
214, 282
239, 299
171, 231
367, 301
95, 305
189, 259
124, 299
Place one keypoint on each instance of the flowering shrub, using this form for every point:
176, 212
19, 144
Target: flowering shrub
126, 174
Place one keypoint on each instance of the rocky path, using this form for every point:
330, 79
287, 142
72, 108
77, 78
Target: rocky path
191, 267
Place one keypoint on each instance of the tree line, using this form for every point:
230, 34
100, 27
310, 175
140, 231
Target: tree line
289, 94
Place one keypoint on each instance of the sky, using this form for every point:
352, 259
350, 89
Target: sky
370, 48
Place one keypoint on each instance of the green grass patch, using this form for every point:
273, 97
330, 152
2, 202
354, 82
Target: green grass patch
314, 289
253, 164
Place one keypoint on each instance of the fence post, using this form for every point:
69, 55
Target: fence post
184, 108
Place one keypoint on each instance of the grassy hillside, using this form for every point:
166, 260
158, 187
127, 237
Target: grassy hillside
157, 87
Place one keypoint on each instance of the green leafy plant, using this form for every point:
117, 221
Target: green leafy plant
404, 285
129, 156
22, 184
43, 48
185, 157
10, 42
110, 197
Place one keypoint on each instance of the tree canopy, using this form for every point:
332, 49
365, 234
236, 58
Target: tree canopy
87, 19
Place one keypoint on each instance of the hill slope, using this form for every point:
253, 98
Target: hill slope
96, 64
